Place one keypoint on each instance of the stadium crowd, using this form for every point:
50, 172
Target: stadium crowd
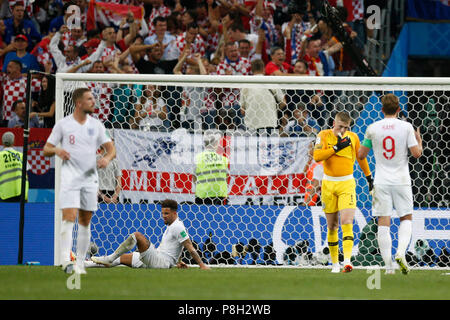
172, 37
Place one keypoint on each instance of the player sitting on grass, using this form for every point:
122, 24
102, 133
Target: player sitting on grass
167, 255
337, 148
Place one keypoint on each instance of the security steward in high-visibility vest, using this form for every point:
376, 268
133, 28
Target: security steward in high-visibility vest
211, 172
10, 171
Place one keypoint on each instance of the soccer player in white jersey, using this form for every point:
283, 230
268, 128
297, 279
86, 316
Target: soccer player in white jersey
167, 255
390, 140
79, 136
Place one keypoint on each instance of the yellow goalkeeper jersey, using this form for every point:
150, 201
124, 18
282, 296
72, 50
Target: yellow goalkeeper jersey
341, 163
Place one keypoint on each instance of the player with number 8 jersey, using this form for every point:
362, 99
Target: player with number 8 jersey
390, 140
79, 136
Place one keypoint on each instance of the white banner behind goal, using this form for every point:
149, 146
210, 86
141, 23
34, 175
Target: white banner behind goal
158, 123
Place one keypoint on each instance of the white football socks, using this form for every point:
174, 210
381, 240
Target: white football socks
66, 240
115, 262
83, 241
404, 237
124, 247
385, 245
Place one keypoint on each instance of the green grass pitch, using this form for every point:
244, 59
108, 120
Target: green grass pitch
48, 282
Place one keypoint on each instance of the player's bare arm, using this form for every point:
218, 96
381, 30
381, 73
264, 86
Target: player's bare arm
187, 244
416, 151
363, 152
110, 154
50, 150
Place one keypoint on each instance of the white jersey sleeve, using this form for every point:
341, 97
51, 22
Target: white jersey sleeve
56, 135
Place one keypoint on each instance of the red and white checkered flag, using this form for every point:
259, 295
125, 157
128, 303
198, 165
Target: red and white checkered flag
39, 164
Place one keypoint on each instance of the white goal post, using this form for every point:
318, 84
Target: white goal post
158, 122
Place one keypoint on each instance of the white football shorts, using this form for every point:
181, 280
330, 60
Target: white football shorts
152, 258
84, 198
388, 197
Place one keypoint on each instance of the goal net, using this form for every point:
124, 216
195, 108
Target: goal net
159, 124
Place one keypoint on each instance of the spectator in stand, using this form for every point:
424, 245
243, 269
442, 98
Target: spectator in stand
102, 93
201, 11
193, 97
90, 46
147, 58
233, 64
17, 24
262, 18
74, 36
188, 17
158, 10
70, 57
60, 20
4, 47
14, 87
128, 30
173, 24
236, 32
161, 35
29, 62
193, 40
150, 112
18, 119
260, 106
297, 29
278, 65
302, 125
45, 105
315, 57
109, 35
301, 68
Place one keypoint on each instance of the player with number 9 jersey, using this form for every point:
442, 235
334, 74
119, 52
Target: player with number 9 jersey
390, 140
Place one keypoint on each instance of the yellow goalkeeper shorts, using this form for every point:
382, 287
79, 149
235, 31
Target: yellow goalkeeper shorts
338, 195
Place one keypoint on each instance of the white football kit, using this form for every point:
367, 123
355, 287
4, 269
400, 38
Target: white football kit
79, 177
170, 248
390, 139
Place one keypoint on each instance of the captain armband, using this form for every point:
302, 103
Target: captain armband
367, 143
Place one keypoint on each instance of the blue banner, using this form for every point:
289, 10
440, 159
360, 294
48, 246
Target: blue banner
275, 227
418, 39
428, 9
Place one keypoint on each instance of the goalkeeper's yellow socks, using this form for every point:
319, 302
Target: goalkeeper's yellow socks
333, 245
347, 242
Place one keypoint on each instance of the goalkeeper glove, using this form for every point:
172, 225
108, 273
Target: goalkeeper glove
370, 182
341, 144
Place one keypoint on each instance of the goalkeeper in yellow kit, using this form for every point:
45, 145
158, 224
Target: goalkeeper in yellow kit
337, 148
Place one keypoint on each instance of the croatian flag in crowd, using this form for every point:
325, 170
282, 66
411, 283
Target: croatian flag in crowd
108, 12
41, 170
428, 9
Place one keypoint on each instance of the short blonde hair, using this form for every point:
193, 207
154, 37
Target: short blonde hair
343, 116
